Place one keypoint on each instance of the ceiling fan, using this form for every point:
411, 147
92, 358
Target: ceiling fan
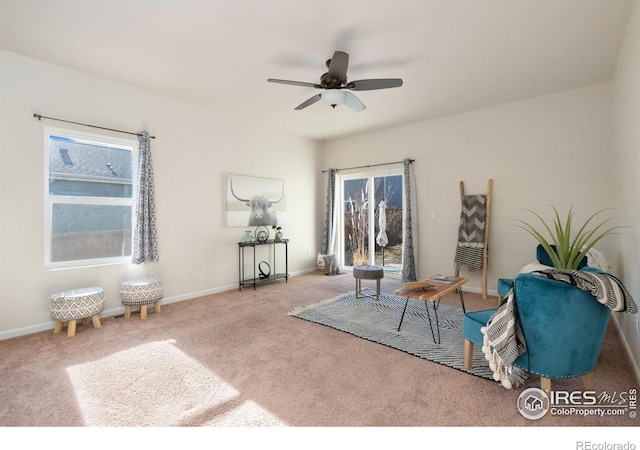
336, 87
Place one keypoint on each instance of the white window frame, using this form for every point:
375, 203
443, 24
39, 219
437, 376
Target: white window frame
49, 200
341, 178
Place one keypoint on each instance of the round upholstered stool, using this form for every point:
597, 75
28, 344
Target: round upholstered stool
141, 293
366, 272
76, 304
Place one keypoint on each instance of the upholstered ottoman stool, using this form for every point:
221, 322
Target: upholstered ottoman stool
366, 272
76, 304
141, 293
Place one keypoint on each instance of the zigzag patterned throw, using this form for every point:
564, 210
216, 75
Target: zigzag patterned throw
470, 248
606, 288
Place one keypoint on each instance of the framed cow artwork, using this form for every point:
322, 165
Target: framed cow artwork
254, 201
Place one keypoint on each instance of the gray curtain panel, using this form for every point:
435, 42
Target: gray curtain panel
410, 238
328, 239
145, 238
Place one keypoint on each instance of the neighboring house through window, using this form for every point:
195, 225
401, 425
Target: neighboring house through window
89, 199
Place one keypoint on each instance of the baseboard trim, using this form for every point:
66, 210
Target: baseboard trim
37, 328
627, 349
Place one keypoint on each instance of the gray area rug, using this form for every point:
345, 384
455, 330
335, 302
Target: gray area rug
378, 320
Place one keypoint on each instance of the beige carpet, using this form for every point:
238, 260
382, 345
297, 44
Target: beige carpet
156, 384
237, 359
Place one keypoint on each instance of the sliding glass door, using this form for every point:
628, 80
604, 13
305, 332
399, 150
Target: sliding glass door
372, 219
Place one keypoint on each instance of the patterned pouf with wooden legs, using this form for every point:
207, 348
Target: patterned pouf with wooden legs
76, 304
141, 293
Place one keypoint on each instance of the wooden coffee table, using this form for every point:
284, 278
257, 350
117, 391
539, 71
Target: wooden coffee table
432, 294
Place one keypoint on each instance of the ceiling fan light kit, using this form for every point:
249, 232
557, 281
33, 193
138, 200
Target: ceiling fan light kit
334, 82
334, 97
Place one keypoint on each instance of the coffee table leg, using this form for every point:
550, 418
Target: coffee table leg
436, 304
431, 325
403, 311
461, 300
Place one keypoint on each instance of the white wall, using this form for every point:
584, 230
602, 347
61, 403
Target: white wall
626, 154
194, 151
551, 150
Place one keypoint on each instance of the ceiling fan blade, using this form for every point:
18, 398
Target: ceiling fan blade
338, 66
311, 101
353, 102
294, 83
379, 83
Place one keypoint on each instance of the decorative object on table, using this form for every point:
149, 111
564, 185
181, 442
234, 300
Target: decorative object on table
444, 278
255, 201
262, 233
265, 269
472, 249
331, 265
278, 235
417, 285
248, 237
564, 251
377, 322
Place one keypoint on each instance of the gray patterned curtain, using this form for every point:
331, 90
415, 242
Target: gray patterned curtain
410, 234
145, 237
328, 240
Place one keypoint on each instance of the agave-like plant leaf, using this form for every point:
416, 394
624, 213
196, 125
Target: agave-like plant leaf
568, 252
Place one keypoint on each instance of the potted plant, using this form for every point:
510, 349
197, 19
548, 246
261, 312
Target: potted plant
569, 251
278, 235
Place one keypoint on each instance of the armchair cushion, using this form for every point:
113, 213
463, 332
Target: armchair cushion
473, 321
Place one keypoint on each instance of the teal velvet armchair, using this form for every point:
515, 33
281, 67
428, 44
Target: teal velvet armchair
563, 328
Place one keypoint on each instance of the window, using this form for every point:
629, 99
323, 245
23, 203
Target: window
89, 199
361, 196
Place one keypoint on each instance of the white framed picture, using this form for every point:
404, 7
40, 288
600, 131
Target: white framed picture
254, 201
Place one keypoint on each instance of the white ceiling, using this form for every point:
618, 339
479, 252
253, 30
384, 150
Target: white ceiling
453, 55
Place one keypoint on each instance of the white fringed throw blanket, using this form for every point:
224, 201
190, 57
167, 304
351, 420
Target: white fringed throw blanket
503, 338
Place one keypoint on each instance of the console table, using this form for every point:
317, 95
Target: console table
273, 275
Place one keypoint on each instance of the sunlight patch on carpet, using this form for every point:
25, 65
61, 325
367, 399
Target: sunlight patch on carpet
154, 384
248, 414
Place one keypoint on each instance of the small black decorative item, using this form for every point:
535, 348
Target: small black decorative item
262, 233
262, 269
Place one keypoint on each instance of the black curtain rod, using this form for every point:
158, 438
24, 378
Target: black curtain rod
40, 117
372, 165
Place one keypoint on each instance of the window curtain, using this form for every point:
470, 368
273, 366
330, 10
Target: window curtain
410, 234
145, 237
329, 236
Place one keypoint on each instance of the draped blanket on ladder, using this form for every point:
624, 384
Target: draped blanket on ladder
471, 232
